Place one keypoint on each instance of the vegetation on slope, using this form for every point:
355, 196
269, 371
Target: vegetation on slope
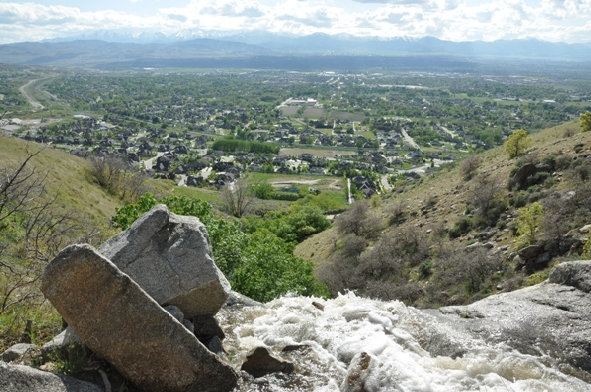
457, 234
47, 201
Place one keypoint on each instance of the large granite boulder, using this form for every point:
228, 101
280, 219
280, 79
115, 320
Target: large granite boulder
551, 319
121, 323
170, 257
19, 378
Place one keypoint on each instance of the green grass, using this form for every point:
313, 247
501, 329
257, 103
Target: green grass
66, 177
208, 195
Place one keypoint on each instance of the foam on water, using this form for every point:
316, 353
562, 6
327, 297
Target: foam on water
357, 342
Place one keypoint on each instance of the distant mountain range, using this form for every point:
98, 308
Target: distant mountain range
264, 50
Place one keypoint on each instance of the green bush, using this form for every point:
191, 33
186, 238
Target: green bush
263, 190
461, 226
258, 264
288, 196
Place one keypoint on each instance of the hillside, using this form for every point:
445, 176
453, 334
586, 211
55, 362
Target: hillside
433, 247
66, 178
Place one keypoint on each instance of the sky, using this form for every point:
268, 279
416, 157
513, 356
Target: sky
452, 20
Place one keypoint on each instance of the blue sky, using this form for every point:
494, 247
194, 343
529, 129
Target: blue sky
455, 20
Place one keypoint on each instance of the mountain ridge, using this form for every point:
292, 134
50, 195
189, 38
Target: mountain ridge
96, 52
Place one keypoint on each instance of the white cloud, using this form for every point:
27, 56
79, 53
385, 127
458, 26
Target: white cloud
554, 20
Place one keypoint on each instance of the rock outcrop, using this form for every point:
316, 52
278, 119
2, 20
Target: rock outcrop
170, 257
16, 351
121, 323
18, 378
550, 319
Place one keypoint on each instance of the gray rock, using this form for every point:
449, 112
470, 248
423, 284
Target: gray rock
170, 257
521, 175
575, 273
530, 252
178, 314
19, 378
16, 351
550, 319
260, 362
121, 323
207, 327
175, 312
60, 342
239, 299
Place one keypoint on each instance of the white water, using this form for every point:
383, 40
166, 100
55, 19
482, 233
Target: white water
392, 334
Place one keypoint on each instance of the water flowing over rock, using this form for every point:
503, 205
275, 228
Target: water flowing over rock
358, 344
170, 257
121, 323
18, 378
550, 319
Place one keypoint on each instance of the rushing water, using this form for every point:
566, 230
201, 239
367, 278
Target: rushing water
357, 344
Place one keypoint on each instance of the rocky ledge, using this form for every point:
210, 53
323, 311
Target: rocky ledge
549, 320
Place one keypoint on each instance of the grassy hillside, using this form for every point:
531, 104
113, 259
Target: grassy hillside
66, 177
412, 242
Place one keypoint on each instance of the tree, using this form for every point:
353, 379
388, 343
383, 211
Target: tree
236, 197
529, 222
517, 143
586, 122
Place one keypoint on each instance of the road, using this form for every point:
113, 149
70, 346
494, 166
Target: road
32, 101
410, 140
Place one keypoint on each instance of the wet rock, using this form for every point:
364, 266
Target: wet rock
550, 319
19, 378
357, 374
17, 351
260, 362
121, 323
295, 347
170, 257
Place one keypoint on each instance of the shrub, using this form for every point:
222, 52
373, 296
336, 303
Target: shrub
469, 166
586, 255
397, 213
586, 122
461, 227
359, 221
517, 143
263, 190
519, 199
